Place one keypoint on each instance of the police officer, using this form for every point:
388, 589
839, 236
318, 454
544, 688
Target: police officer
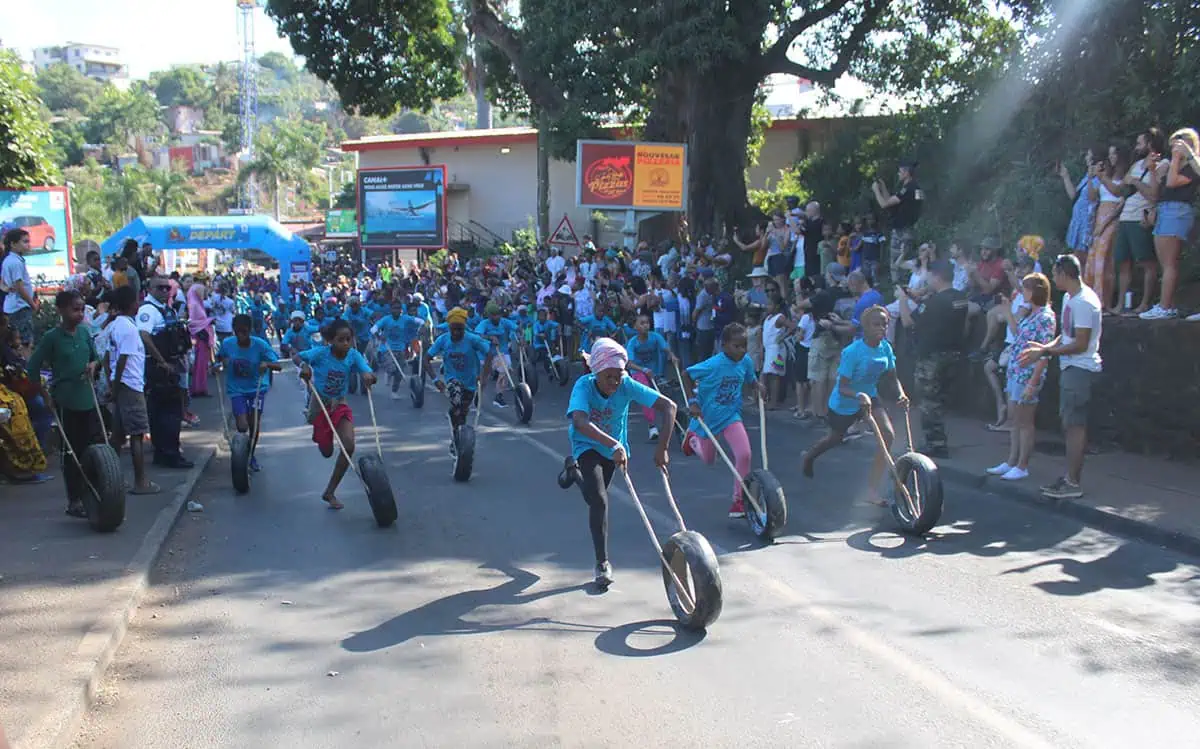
167, 342
904, 209
939, 325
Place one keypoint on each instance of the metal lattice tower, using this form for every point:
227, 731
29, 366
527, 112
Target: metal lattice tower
248, 96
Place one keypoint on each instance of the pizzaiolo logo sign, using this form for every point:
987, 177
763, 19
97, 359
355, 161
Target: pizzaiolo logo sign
609, 178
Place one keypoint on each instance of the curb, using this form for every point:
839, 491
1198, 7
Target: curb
1093, 516
58, 726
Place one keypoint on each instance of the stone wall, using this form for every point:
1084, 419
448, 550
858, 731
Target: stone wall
1146, 402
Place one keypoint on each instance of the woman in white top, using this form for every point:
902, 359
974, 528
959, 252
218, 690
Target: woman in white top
774, 329
918, 285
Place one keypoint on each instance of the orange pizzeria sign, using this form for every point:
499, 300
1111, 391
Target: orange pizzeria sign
617, 174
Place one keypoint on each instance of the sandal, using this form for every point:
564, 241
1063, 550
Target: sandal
149, 488
333, 502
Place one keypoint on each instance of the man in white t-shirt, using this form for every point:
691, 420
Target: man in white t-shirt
127, 362
555, 263
1078, 349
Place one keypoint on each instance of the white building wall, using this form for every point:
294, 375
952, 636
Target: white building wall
501, 189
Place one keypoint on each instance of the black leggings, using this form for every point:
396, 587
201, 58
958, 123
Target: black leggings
597, 473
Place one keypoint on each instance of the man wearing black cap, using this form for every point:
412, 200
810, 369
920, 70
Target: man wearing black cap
939, 324
904, 208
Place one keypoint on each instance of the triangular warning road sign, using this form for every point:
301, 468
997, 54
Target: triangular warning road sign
565, 233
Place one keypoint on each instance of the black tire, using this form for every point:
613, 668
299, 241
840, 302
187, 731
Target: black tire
918, 472
695, 564
562, 372
102, 466
379, 490
239, 461
464, 459
416, 387
768, 493
531, 376
523, 400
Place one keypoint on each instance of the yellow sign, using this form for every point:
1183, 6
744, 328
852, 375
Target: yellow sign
658, 173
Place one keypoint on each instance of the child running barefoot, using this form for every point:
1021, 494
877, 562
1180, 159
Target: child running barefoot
865, 363
461, 353
599, 414
247, 360
398, 331
329, 369
718, 383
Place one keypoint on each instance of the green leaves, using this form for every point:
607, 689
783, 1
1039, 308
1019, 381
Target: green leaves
378, 54
25, 140
65, 89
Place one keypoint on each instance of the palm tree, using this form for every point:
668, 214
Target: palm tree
126, 194
171, 192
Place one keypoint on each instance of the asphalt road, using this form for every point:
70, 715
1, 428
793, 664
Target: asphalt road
277, 622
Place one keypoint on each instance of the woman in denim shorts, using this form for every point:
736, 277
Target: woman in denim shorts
1176, 190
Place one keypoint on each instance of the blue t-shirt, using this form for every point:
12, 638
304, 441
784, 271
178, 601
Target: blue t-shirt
719, 382
398, 332
650, 353
593, 328
461, 360
331, 375
610, 415
297, 340
241, 365
544, 333
870, 298
360, 323
312, 328
862, 366
503, 330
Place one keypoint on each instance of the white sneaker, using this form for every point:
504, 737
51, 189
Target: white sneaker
1159, 313
395, 395
1193, 318
1015, 474
194, 506
999, 470
653, 433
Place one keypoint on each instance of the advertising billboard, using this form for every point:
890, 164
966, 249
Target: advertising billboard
402, 207
341, 223
44, 212
612, 174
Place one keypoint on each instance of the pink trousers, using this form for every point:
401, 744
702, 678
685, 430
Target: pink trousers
643, 378
739, 444
200, 371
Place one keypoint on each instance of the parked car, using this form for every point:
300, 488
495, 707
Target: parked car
41, 233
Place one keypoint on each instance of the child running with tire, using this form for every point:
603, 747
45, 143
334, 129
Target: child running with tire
247, 359
599, 420
398, 331
865, 364
717, 384
462, 355
329, 369
499, 330
648, 351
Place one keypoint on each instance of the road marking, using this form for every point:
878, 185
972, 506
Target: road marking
931, 680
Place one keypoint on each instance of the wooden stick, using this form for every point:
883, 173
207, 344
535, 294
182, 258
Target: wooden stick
684, 593
374, 423
887, 456
99, 413
762, 429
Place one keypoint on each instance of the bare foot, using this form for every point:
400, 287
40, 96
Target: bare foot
808, 466
334, 504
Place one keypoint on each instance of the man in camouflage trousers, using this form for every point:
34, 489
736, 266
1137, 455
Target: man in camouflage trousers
939, 325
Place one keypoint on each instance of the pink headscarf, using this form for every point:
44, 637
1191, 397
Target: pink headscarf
198, 319
607, 354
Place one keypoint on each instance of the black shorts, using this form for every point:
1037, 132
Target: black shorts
778, 265
841, 423
797, 366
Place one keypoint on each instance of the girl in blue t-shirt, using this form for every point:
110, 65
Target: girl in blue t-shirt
648, 354
599, 419
717, 384
865, 363
329, 368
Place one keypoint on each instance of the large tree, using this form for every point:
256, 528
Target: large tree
117, 116
63, 88
25, 141
182, 85
686, 70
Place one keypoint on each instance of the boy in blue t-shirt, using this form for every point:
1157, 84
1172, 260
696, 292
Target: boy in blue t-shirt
464, 365
545, 339
499, 331
328, 370
718, 383
865, 363
296, 338
246, 360
599, 419
360, 325
398, 331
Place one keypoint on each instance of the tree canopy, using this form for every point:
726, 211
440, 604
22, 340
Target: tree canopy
182, 85
63, 89
25, 140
